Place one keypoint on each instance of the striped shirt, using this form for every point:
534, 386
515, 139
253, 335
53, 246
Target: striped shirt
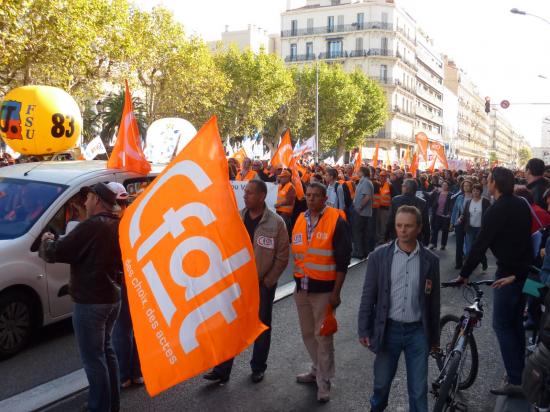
405, 286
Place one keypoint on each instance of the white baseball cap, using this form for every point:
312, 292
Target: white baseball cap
119, 189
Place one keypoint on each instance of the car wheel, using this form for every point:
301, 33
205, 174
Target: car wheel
16, 322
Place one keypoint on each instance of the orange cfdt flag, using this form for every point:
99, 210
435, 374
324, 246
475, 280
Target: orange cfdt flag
189, 267
432, 166
239, 155
127, 153
358, 161
375, 157
283, 154
422, 142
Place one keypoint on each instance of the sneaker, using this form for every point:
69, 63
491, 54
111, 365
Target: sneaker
431, 246
126, 384
214, 376
323, 392
513, 391
442, 247
138, 381
306, 378
257, 377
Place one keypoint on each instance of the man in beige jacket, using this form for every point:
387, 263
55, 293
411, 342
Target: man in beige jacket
269, 237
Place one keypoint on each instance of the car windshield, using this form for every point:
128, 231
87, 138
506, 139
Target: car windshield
22, 202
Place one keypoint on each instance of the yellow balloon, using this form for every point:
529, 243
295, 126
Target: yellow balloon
40, 120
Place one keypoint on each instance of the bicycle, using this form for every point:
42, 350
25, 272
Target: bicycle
451, 360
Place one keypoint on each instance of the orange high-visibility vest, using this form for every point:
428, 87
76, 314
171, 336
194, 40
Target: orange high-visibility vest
251, 174
281, 197
351, 188
315, 258
385, 195
376, 200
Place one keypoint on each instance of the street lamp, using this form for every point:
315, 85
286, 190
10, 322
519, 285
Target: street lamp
524, 13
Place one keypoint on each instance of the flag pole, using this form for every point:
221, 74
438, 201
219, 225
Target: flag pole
317, 110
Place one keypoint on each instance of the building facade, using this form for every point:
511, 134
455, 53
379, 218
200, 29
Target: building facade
545, 132
473, 137
375, 36
252, 38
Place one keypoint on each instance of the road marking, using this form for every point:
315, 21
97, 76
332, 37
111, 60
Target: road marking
46, 394
58, 389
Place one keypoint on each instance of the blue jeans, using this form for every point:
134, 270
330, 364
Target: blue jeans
124, 342
93, 326
411, 339
263, 342
508, 306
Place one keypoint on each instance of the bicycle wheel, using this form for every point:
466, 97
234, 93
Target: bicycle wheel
470, 358
443, 402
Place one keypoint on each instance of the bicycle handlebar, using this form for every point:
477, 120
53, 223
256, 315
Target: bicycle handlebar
457, 284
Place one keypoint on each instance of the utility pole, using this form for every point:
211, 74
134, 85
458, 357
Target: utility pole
317, 110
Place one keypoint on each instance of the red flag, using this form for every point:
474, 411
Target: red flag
422, 142
375, 157
127, 153
358, 161
283, 155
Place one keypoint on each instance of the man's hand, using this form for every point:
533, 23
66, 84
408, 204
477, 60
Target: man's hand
365, 342
335, 300
435, 350
48, 236
500, 283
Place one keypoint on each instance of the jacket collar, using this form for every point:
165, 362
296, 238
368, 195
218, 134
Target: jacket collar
265, 215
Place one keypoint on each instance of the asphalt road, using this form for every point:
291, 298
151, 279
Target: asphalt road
53, 353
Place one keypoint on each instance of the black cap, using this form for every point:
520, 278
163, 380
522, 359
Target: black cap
104, 193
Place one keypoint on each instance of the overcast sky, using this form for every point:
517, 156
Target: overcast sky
503, 53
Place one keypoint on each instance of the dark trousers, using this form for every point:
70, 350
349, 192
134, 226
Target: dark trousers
263, 342
360, 235
440, 223
508, 306
459, 252
288, 223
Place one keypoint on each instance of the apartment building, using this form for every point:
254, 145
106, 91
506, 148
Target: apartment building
252, 38
473, 137
375, 36
504, 140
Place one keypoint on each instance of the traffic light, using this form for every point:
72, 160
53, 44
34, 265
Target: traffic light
487, 105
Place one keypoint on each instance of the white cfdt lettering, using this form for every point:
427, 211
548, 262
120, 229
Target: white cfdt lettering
217, 268
221, 303
166, 305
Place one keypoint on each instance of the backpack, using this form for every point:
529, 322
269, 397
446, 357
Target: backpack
348, 201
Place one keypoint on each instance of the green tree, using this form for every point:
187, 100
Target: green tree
259, 85
524, 154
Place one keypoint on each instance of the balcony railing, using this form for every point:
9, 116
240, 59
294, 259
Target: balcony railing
299, 58
383, 134
348, 54
339, 28
333, 55
397, 109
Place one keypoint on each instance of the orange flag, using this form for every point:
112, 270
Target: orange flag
406, 157
296, 181
414, 164
375, 157
283, 155
239, 155
422, 142
189, 267
358, 161
439, 151
127, 153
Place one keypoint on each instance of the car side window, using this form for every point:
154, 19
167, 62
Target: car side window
135, 186
68, 216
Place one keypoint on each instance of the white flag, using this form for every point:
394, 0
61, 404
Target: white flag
329, 161
310, 145
228, 148
340, 161
94, 148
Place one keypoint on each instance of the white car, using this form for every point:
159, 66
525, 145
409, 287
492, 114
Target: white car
38, 197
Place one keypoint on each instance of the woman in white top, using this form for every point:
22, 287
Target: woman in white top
472, 216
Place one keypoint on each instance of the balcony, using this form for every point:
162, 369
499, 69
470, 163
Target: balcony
420, 92
342, 28
400, 110
383, 134
431, 116
407, 88
299, 58
333, 55
381, 52
428, 79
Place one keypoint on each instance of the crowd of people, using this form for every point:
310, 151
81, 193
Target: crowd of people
338, 212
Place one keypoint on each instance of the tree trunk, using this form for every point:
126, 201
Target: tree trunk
340, 146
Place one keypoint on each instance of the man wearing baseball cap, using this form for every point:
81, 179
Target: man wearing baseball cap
93, 252
286, 195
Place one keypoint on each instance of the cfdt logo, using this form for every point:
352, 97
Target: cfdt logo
10, 120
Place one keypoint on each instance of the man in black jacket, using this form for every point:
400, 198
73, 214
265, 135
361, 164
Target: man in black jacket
506, 229
409, 198
93, 251
536, 182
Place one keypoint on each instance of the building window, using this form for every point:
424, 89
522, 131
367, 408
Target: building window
293, 51
360, 21
309, 50
335, 2
334, 49
359, 44
383, 73
384, 46
330, 24
309, 26
294, 27
340, 26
